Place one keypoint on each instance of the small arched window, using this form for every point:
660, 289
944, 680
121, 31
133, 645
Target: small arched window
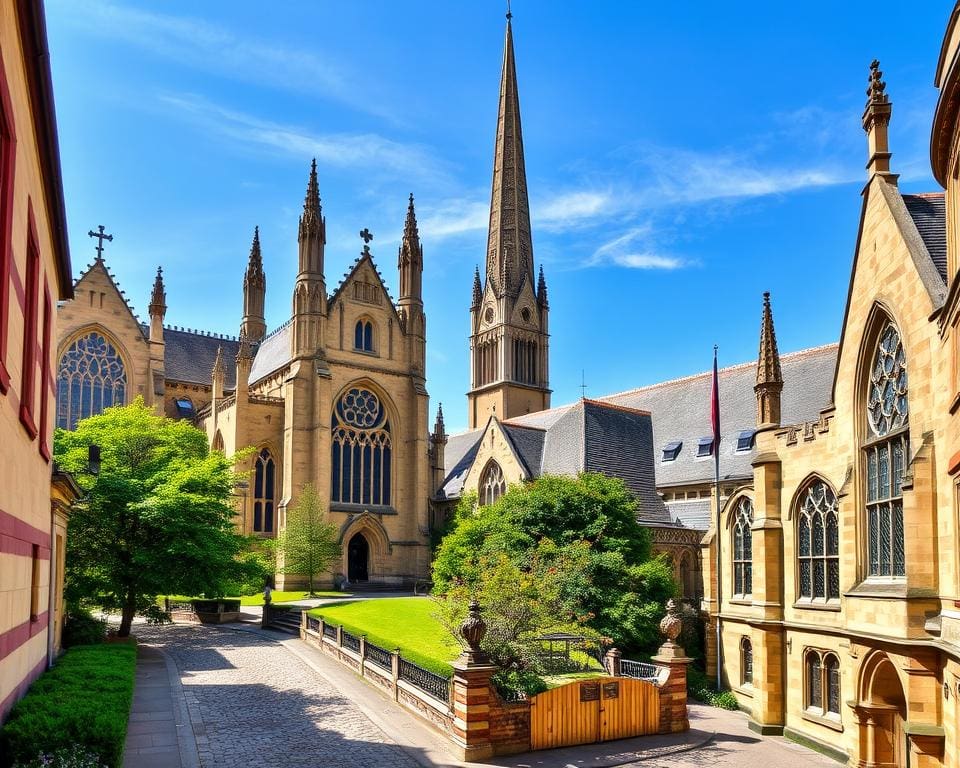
822, 673
818, 544
363, 336
91, 377
492, 484
746, 661
264, 498
886, 455
743, 548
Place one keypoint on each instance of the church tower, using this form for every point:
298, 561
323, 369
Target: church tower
310, 291
509, 340
253, 327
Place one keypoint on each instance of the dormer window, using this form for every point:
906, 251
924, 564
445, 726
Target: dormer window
363, 336
672, 450
184, 407
745, 440
705, 446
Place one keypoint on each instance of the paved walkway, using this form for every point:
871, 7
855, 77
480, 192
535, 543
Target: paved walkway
247, 698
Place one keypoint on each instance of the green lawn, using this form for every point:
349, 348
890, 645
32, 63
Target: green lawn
555, 681
276, 597
406, 623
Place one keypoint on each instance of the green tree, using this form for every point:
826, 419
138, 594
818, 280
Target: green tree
308, 543
155, 520
616, 586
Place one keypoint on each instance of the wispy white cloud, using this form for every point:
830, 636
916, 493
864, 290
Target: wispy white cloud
632, 249
213, 48
453, 217
341, 150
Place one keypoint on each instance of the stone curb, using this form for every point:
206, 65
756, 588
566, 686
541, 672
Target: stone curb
186, 739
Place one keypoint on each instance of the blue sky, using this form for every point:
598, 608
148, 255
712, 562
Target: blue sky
681, 159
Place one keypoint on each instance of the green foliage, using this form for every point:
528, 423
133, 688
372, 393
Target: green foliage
84, 701
74, 757
510, 682
606, 579
156, 519
154, 614
704, 689
82, 628
406, 623
308, 544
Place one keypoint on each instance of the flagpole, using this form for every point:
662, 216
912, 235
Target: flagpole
715, 418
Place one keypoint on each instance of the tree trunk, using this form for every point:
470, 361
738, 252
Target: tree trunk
127, 613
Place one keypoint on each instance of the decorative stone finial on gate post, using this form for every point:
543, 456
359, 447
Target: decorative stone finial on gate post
473, 630
673, 685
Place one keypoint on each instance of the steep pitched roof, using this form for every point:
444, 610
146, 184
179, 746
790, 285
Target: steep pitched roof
272, 354
929, 213
189, 356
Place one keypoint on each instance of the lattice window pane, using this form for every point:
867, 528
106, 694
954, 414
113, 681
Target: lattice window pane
833, 685
833, 534
883, 472
748, 579
806, 588
897, 467
814, 689
818, 538
873, 532
819, 578
884, 520
833, 579
872, 476
899, 563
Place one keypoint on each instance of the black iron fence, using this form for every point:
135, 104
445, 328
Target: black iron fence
427, 681
379, 656
349, 641
313, 623
638, 670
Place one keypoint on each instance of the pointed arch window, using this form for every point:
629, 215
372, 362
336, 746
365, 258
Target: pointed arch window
264, 495
91, 377
886, 454
218, 442
362, 450
492, 483
363, 336
746, 661
743, 548
818, 544
822, 672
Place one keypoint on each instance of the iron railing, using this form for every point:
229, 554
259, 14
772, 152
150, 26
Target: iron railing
638, 670
313, 623
427, 681
330, 631
379, 656
349, 641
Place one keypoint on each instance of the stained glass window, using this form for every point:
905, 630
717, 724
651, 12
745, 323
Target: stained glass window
363, 336
823, 683
492, 483
361, 448
743, 548
887, 455
264, 496
90, 378
818, 543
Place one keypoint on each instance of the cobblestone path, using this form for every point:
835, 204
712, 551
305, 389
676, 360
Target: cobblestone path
253, 704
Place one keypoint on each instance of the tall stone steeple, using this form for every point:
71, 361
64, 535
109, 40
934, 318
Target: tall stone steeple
310, 291
509, 341
253, 327
410, 303
769, 376
158, 307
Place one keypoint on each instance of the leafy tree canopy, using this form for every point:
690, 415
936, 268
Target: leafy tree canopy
156, 519
601, 567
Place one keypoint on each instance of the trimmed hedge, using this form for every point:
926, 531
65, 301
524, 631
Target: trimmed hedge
84, 700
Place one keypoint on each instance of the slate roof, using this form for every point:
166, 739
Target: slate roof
272, 354
928, 211
589, 436
188, 356
690, 514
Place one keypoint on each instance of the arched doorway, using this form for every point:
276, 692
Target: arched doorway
882, 712
358, 558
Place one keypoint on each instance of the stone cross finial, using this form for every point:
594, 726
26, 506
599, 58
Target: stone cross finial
366, 236
99, 234
876, 87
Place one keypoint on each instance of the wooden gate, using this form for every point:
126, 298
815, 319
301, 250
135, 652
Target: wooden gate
588, 711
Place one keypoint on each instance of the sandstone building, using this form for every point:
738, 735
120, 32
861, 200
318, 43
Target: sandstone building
34, 273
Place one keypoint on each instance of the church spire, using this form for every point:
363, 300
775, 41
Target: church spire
477, 289
542, 290
410, 260
769, 375
158, 307
439, 428
313, 229
509, 243
253, 326
310, 290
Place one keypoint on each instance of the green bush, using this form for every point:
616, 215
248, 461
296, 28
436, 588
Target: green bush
82, 628
84, 701
509, 682
701, 688
75, 757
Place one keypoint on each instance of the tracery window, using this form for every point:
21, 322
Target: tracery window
91, 377
492, 484
746, 661
264, 479
743, 548
361, 449
822, 673
886, 455
363, 336
818, 543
